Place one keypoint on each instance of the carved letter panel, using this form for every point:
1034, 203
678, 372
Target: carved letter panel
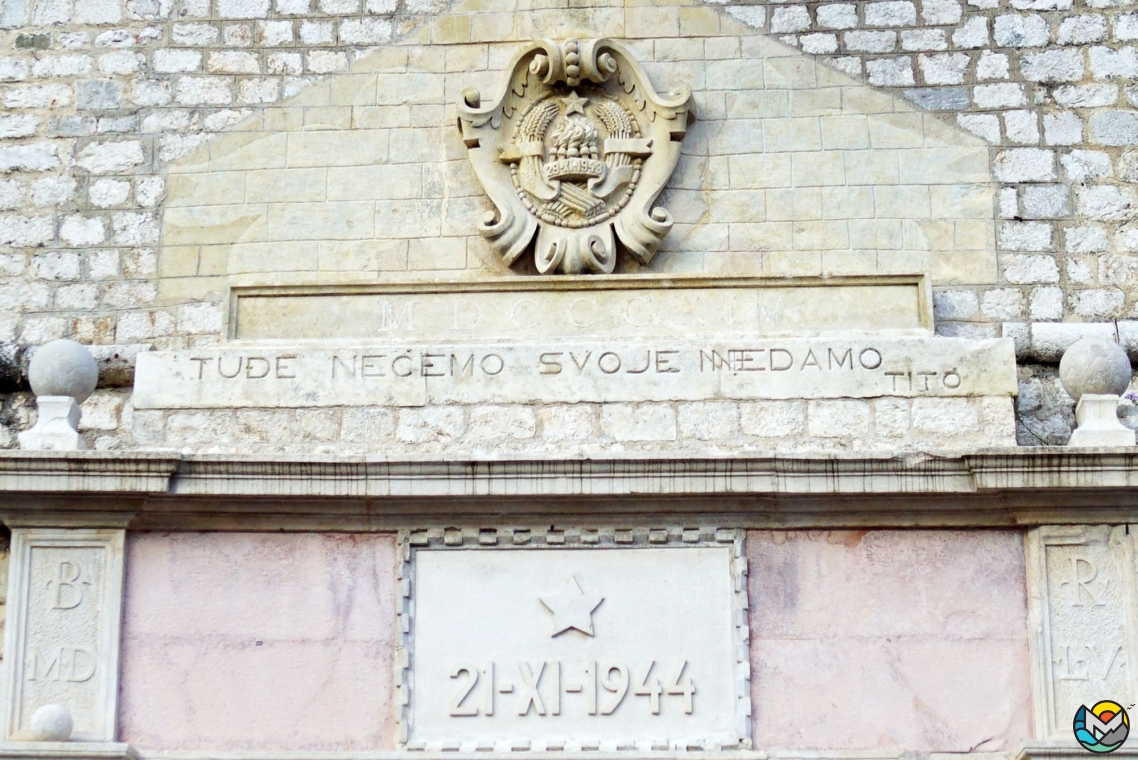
571, 641
1083, 621
62, 640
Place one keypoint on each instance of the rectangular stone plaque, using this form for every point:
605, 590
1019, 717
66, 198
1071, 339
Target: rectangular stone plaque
574, 308
664, 369
61, 645
1082, 595
577, 648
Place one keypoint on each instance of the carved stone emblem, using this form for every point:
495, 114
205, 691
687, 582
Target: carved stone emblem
576, 150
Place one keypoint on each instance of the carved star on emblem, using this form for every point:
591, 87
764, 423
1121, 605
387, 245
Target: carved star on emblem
574, 104
572, 608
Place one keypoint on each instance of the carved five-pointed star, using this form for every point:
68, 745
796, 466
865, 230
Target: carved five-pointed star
574, 104
572, 608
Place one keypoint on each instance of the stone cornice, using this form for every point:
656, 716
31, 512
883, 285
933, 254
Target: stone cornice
117, 751
1068, 752
995, 487
114, 751
10, 750
85, 471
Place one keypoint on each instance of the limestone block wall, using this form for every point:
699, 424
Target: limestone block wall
789, 169
697, 428
109, 107
247, 641
885, 623
1049, 83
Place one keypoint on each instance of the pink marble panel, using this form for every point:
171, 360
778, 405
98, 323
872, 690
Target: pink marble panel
898, 639
266, 641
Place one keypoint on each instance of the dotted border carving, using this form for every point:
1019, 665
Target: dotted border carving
605, 537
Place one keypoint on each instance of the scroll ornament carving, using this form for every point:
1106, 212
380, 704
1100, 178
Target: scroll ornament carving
576, 150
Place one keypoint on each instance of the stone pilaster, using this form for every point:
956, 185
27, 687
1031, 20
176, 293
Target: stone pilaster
1081, 582
62, 640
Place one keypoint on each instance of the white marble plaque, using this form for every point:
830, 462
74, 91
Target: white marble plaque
1082, 595
602, 371
576, 649
575, 308
62, 638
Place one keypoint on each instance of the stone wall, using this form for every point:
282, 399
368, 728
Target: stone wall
789, 169
885, 623
249, 641
217, 659
101, 99
1048, 83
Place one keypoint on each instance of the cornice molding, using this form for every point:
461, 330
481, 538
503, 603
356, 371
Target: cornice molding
121, 751
117, 751
992, 487
1069, 752
66, 751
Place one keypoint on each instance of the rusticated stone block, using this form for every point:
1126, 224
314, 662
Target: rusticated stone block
253, 640
885, 623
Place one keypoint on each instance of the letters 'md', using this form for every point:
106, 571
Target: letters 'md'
62, 638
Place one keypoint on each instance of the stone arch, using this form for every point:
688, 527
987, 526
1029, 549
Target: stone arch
791, 168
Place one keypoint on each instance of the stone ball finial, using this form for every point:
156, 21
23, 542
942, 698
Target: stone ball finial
1094, 366
63, 368
51, 723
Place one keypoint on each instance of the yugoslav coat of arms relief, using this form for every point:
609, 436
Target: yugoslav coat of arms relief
576, 150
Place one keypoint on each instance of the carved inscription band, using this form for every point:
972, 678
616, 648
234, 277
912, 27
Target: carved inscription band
601, 372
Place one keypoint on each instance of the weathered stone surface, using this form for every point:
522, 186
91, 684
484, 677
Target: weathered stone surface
51, 723
572, 308
577, 183
253, 640
1095, 366
720, 51
57, 426
1081, 582
379, 205
589, 627
613, 371
886, 624
63, 368
1097, 417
